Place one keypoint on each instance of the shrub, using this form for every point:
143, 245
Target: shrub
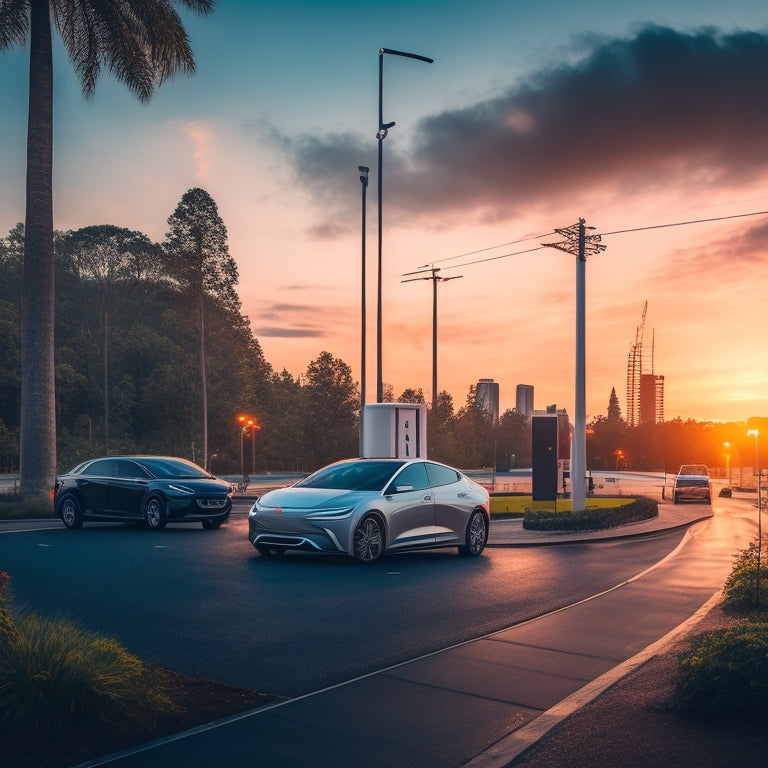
642, 508
740, 590
725, 672
13, 506
54, 676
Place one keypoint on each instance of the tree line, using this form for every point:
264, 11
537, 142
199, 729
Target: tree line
154, 355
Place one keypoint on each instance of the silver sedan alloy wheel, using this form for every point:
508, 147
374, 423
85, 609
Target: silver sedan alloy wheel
477, 534
368, 542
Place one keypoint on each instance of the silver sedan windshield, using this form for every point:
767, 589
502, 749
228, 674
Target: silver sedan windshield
353, 476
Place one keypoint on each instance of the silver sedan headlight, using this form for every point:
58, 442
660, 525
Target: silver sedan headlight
342, 513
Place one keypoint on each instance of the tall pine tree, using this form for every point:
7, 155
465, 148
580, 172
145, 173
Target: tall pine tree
198, 260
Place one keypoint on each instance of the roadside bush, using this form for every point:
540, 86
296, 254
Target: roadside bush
642, 508
55, 677
725, 672
740, 590
13, 506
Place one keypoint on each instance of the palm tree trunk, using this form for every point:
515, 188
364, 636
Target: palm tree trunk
38, 398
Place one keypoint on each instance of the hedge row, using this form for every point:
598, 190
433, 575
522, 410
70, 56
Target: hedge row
597, 519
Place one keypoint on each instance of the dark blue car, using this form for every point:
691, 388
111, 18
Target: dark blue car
154, 490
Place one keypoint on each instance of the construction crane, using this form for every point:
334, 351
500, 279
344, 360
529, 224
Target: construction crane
634, 371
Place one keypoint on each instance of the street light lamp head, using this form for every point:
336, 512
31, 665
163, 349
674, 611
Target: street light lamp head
363, 174
753, 433
384, 131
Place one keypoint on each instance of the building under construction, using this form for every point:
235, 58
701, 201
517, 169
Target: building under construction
645, 389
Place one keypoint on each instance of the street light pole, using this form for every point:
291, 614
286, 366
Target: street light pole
756, 434
241, 421
252, 427
380, 136
364, 185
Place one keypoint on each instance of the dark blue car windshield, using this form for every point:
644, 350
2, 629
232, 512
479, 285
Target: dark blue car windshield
353, 476
167, 468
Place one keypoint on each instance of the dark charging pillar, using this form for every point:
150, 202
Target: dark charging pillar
544, 450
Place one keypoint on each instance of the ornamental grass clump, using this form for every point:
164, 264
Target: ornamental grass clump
55, 677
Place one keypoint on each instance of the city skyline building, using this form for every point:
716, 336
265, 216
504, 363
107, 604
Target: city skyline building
524, 400
651, 401
488, 396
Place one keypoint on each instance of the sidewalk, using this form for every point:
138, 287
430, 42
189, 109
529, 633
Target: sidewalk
484, 702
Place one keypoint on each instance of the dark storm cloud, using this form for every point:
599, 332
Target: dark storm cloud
661, 108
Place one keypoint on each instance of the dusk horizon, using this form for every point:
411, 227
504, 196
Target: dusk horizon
648, 124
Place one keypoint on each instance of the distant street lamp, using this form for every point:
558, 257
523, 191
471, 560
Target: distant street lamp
241, 421
248, 425
727, 447
381, 135
253, 426
755, 433
364, 184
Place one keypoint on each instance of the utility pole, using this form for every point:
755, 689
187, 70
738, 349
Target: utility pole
579, 243
435, 280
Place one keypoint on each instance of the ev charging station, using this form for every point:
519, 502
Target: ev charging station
393, 431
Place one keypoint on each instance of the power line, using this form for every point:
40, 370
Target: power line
494, 247
604, 234
684, 223
495, 258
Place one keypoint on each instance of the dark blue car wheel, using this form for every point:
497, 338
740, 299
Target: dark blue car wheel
70, 511
156, 512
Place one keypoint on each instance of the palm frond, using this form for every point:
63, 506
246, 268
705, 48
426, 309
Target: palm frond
14, 23
141, 42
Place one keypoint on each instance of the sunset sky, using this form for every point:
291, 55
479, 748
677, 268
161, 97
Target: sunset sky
534, 113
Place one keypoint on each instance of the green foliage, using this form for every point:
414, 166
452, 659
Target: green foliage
197, 253
725, 672
642, 508
741, 591
331, 409
13, 506
55, 676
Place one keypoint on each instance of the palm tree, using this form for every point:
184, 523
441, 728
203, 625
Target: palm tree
143, 44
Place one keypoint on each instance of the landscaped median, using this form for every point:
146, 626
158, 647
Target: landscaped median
601, 512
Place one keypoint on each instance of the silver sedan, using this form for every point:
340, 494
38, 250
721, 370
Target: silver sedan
366, 507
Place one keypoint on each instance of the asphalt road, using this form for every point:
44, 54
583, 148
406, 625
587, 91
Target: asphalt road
205, 603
